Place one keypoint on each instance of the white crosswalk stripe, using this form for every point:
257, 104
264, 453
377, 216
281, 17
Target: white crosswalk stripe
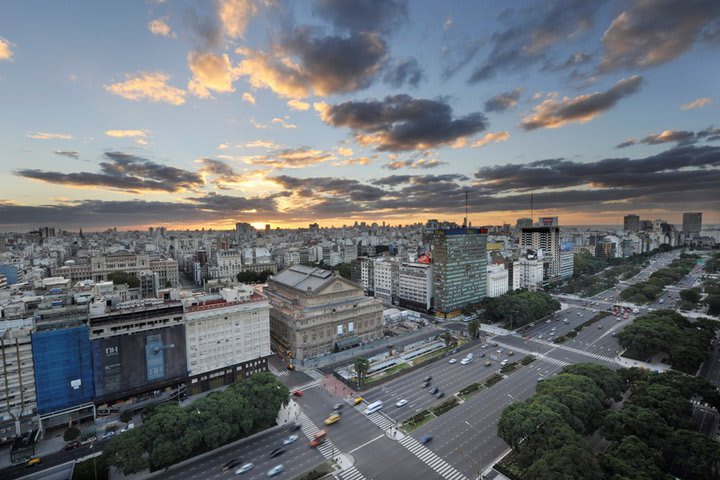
583, 352
378, 418
281, 374
444, 469
351, 473
306, 386
553, 361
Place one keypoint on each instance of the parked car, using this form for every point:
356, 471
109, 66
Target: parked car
71, 445
426, 438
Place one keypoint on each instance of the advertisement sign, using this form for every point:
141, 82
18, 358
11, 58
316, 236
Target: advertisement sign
549, 221
128, 364
566, 246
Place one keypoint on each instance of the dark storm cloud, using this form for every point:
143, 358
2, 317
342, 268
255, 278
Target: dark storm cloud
363, 15
337, 63
401, 122
341, 187
124, 172
403, 71
68, 153
228, 203
652, 33
504, 101
532, 32
681, 137
207, 29
553, 113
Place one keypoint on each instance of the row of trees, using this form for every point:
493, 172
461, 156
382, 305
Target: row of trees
652, 434
650, 289
119, 277
171, 433
665, 331
520, 307
254, 277
712, 300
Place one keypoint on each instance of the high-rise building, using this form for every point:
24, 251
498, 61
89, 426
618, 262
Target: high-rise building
17, 390
631, 223
415, 286
524, 223
459, 259
546, 239
692, 224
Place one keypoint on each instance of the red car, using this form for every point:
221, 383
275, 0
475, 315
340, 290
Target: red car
297, 393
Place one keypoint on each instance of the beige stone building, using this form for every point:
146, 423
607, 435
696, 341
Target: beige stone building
314, 312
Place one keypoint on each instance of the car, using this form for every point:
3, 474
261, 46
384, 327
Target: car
599, 327
531, 325
427, 379
71, 445
295, 427
276, 470
318, 438
245, 468
357, 400
426, 438
401, 403
297, 393
504, 362
424, 384
494, 344
614, 334
338, 406
334, 418
32, 462
465, 361
434, 390
551, 334
511, 353
482, 355
548, 321
440, 394
540, 336
290, 439
108, 434
566, 321
277, 452
452, 360
487, 364
289, 367
499, 351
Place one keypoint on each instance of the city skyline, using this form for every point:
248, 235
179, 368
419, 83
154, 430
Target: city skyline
202, 114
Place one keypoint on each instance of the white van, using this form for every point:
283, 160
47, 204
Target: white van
374, 407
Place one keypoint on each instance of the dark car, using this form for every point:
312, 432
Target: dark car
277, 452
482, 355
71, 445
295, 426
426, 438
232, 464
427, 379
440, 394
434, 390
424, 384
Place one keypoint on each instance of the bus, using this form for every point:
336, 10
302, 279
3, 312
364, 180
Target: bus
374, 407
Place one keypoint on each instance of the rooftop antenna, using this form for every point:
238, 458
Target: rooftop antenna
466, 209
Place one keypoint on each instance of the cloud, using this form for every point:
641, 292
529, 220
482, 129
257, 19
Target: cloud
455, 57
504, 101
401, 122
235, 16
681, 137
575, 59
210, 72
263, 144
298, 105
258, 125
698, 103
126, 172
553, 113
247, 97
283, 122
345, 152
422, 163
492, 137
125, 133
148, 86
532, 32
306, 61
6, 52
49, 136
363, 15
354, 161
68, 153
291, 158
403, 71
160, 27
652, 33
223, 174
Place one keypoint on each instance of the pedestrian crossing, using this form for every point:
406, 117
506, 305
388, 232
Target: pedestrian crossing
306, 386
378, 418
444, 469
351, 473
326, 449
583, 352
284, 373
553, 361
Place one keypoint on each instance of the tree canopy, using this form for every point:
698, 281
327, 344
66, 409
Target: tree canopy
520, 307
119, 277
254, 277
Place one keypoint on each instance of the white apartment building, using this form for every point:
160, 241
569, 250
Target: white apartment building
531, 271
291, 257
384, 280
516, 275
415, 286
228, 264
227, 337
167, 271
497, 280
17, 379
567, 264
546, 239
367, 275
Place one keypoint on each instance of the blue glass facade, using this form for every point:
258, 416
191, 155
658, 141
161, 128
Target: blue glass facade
63, 368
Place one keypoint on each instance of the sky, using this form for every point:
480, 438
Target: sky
192, 114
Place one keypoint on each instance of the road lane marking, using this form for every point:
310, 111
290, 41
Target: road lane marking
366, 443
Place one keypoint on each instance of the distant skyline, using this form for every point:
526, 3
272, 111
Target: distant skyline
191, 114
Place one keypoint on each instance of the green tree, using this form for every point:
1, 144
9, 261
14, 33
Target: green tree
71, 433
474, 328
690, 295
607, 379
362, 365
573, 461
632, 458
127, 452
447, 337
119, 277
126, 416
344, 270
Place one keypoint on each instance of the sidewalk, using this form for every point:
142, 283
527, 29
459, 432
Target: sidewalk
50, 444
495, 330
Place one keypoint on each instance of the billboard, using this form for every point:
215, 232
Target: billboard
566, 246
548, 221
125, 365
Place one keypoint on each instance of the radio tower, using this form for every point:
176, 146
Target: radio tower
531, 206
465, 222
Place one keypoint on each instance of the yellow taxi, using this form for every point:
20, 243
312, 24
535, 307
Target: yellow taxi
332, 419
357, 400
32, 462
